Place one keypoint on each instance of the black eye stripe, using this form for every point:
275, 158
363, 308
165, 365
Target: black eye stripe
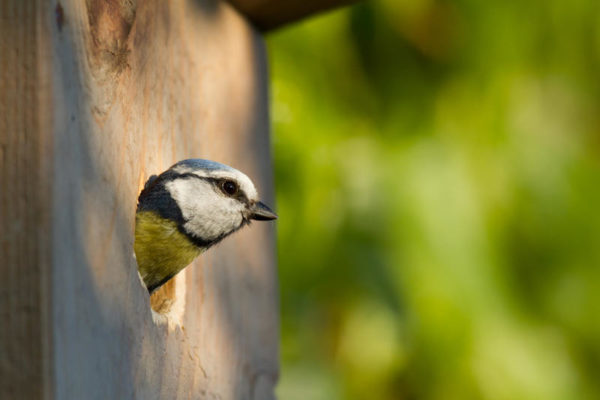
239, 195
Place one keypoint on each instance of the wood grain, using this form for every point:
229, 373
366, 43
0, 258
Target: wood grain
100, 96
25, 154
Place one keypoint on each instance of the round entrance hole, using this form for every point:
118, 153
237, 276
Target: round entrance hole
169, 300
163, 298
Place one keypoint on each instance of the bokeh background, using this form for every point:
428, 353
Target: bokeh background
437, 170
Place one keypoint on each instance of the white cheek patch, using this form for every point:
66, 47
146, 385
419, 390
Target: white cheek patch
208, 213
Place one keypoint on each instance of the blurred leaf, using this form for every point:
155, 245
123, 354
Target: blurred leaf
437, 168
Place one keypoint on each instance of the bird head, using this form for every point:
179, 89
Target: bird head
207, 200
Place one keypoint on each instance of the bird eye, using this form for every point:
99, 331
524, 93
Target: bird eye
229, 187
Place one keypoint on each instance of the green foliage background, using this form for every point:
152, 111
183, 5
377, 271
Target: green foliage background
437, 171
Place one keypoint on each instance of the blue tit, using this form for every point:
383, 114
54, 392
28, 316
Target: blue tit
187, 209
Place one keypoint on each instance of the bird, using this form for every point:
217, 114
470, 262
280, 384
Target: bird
187, 209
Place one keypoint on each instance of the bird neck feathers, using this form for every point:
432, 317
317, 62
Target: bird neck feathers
162, 250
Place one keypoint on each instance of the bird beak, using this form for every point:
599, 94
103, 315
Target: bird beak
260, 212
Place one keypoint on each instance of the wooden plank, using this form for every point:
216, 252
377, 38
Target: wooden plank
136, 86
25, 152
271, 14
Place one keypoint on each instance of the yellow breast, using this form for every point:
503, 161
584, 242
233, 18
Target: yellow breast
160, 248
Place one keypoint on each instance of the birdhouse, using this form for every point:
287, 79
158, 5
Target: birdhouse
95, 97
